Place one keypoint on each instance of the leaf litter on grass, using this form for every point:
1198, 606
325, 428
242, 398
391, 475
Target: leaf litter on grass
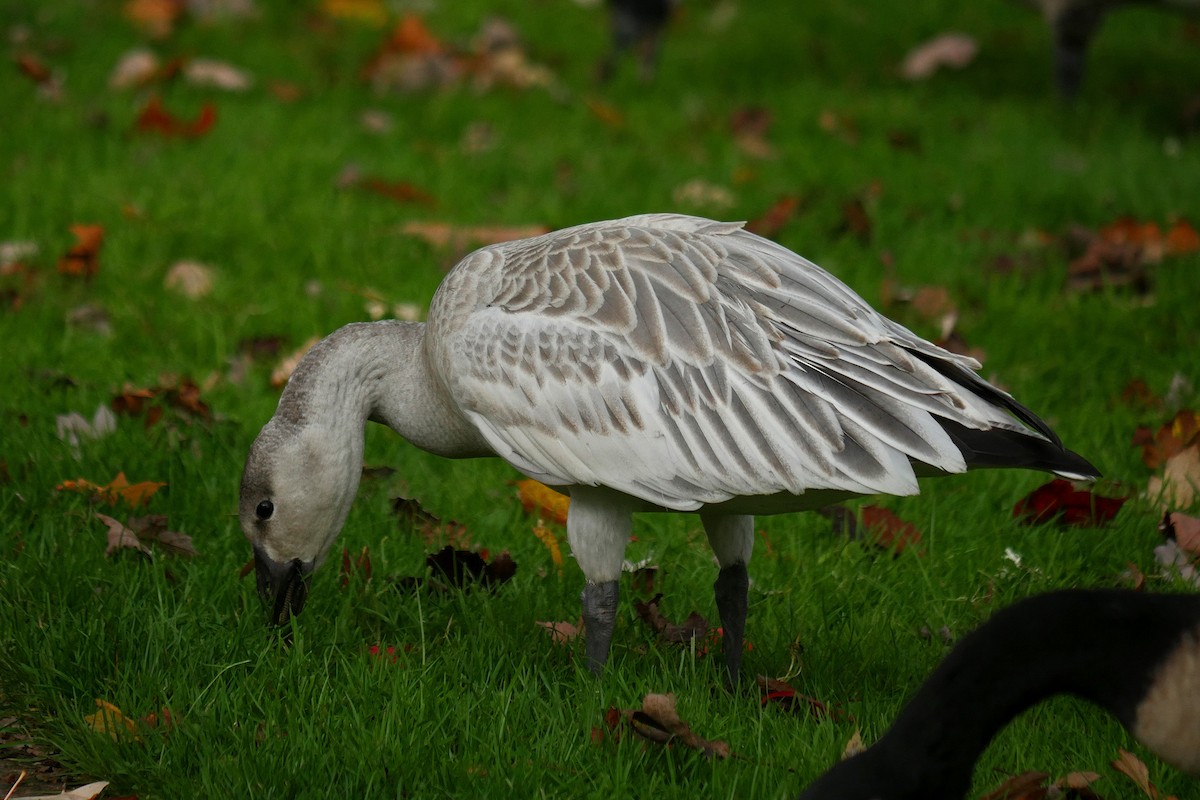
658, 721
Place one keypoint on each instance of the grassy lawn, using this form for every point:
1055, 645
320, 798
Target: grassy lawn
964, 178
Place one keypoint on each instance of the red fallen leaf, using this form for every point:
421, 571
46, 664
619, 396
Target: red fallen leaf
391, 651
773, 220
1060, 502
888, 531
781, 694
1172, 438
694, 627
82, 260
855, 220
715, 638
361, 566
154, 118
400, 191
1182, 238
31, 67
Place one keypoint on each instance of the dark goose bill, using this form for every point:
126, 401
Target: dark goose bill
283, 586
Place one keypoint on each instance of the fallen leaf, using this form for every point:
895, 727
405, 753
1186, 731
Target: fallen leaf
155, 18
855, 220
412, 58
1179, 486
1026, 786
88, 792
135, 68
779, 693
1184, 529
371, 12
283, 371
134, 494
1177, 562
110, 721
562, 632
121, 537
209, 72
606, 112
955, 50
659, 722
360, 566
154, 118
399, 191
694, 627
82, 260
463, 568
1182, 431
32, 67
772, 221
698, 193
887, 531
463, 237
750, 126
854, 746
191, 279
537, 498
1132, 767
1182, 239
138, 532
1060, 502
547, 538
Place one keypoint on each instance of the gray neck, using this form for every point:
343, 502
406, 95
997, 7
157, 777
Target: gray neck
379, 371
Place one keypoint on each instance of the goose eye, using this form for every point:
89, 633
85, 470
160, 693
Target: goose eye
265, 509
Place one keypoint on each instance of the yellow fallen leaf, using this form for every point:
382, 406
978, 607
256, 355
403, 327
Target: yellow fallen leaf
110, 720
547, 538
538, 498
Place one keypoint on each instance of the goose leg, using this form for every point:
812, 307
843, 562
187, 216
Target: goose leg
598, 526
1073, 30
732, 541
599, 619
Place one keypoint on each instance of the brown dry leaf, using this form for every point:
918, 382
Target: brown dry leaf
82, 260
659, 722
135, 68
547, 538
283, 370
155, 18
694, 627
1184, 529
1131, 766
772, 221
537, 498
153, 528
855, 220
216, 74
780, 693
1026, 786
1078, 782
750, 126
562, 632
955, 50
135, 494
32, 67
1179, 486
1157, 446
463, 237
88, 792
412, 58
402, 192
854, 746
191, 279
607, 113
121, 537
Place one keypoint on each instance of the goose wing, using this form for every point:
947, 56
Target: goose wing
687, 362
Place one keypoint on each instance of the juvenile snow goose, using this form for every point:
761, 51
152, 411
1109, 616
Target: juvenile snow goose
653, 363
1135, 655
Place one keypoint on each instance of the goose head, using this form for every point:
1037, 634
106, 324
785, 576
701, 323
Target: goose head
297, 488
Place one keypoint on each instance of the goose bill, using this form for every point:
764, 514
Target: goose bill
283, 586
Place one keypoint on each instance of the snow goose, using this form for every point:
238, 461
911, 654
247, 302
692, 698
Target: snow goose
1135, 655
654, 363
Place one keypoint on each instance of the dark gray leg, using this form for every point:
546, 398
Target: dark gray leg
1073, 32
599, 617
732, 588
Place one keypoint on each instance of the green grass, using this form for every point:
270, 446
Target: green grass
482, 703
